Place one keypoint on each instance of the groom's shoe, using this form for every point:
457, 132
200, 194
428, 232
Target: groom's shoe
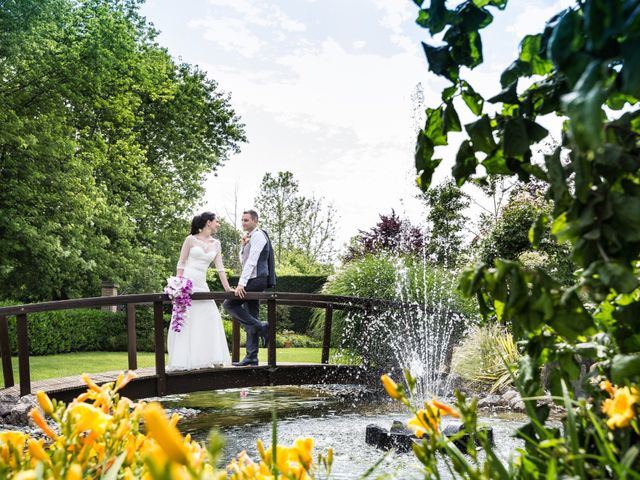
246, 362
264, 334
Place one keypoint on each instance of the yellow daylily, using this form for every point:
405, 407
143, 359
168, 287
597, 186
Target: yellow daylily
427, 420
45, 402
621, 408
302, 451
87, 417
37, 451
74, 472
391, 387
164, 433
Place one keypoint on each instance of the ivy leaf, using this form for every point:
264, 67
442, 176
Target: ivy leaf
481, 134
515, 138
496, 3
473, 99
557, 177
631, 66
440, 61
514, 71
535, 131
434, 126
472, 17
509, 95
425, 163
450, 119
496, 164
530, 54
559, 47
466, 163
448, 93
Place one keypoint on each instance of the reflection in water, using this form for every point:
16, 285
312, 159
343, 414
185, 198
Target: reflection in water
337, 421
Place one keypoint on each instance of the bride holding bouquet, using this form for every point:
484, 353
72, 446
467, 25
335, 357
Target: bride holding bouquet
197, 339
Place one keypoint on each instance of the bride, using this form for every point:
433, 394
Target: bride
201, 343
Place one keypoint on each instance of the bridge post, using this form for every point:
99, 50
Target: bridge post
161, 373
132, 347
5, 350
326, 341
23, 354
271, 331
235, 340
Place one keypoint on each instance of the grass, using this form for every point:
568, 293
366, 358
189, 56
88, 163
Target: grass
68, 364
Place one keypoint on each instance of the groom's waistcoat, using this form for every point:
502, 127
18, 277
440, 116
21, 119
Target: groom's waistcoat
266, 265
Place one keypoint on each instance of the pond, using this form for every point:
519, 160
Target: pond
334, 416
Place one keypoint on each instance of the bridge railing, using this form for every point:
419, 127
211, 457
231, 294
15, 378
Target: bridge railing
272, 300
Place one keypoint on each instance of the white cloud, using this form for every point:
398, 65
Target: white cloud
534, 16
359, 44
231, 35
261, 14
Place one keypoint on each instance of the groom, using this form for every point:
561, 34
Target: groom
258, 274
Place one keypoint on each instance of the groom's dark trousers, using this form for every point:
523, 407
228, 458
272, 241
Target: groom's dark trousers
247, 313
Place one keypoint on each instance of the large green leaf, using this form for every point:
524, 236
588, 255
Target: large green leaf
560, 44
472, 17
466, 163
481, 134
434, 126
425, 163
515, 138
473, 99
440, 61
631, 66
450, 119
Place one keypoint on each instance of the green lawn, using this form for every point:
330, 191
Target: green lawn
51, 366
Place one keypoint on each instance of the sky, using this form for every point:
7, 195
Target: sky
325, 89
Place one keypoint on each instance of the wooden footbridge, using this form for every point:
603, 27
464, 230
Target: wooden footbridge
157, 381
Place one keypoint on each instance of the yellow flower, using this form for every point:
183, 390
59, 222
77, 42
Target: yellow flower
391, 387
14, 439
302, 451
74, 472
87, 417
124, 379
606, 386
37, 451
40, 422
90, 383
620, 409
45, 402
428, 419
167, 435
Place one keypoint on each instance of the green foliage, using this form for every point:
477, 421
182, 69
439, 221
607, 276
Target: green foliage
284, 339
486, 357
510, 236
446, 203
584, 66
387, 277
229, 238
104, 146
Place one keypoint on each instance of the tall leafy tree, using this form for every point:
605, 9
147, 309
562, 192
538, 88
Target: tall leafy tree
295, 223
446, 204
104, 146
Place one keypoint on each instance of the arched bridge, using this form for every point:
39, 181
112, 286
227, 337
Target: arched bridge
156, 381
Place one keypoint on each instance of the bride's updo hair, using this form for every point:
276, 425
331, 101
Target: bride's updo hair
199, 221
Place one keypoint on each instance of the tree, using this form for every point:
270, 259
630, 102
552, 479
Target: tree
446, 203
582, 66
229, 237
103, 150
391, 234
293, 221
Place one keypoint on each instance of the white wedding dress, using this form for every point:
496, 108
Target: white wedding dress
201, 343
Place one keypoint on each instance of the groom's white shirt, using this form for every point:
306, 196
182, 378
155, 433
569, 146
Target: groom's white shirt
249, 260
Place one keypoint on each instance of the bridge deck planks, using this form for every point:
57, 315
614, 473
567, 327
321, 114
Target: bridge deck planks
145, 385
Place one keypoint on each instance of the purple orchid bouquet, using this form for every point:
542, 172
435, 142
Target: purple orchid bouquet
179, 290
